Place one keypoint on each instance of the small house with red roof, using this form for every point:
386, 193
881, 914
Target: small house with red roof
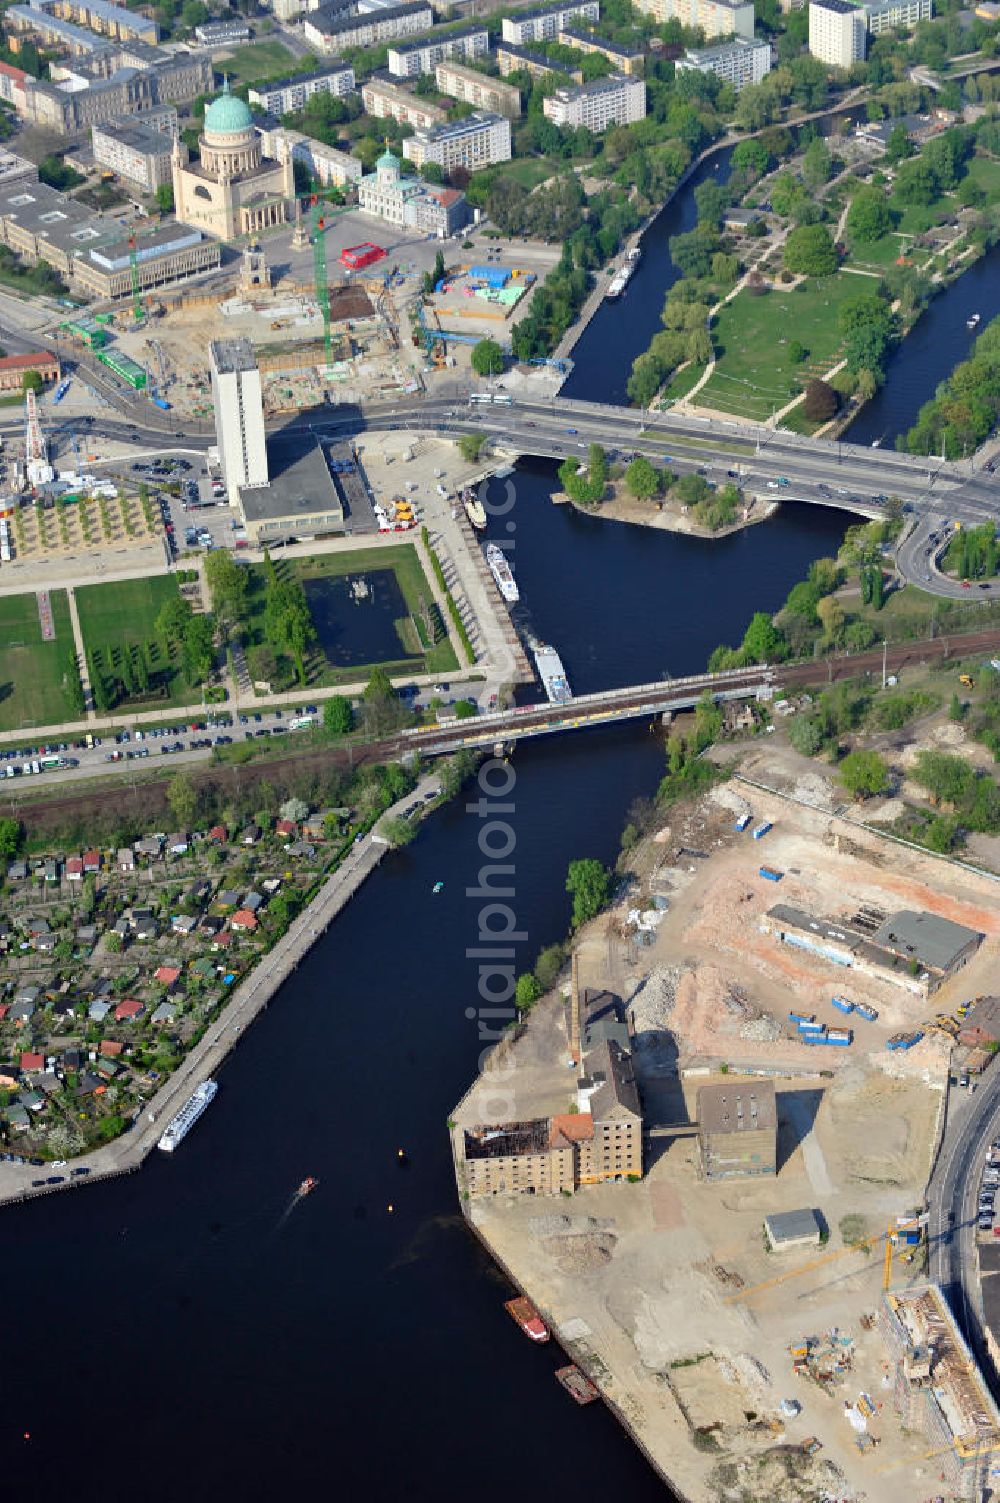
74, 869
243, 919
127, 1010
32, 1061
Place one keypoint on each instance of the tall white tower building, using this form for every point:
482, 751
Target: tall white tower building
239, 415
837, 32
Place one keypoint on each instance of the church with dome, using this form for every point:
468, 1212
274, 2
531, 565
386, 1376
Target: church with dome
232, 190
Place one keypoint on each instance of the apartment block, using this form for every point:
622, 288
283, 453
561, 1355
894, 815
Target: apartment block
410, 59
478, 89
836, 32
886, 15
135, 152
511, 59
739, 62
67, 21
390, 101
617, 100
332, 33
477, 141
330, 167
717, 18
289, 95
626, 59
545, 23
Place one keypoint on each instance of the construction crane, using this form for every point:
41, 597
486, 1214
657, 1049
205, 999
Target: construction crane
892, 1234
133, 258
322, 286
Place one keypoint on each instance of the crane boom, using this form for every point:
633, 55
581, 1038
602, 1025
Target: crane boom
322, 286
133, 257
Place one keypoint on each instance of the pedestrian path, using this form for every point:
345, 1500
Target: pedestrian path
45, 615
81, 656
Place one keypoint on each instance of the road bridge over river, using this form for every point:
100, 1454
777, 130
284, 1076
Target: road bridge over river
824, 472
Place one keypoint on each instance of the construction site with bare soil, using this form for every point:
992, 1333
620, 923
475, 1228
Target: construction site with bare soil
751, 1298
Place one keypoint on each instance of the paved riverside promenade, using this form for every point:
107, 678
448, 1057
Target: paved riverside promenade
247, 1000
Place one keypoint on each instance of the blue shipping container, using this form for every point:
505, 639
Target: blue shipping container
802, 1017
762, 830
770, 875
810, 1025
742, 822
842, 1004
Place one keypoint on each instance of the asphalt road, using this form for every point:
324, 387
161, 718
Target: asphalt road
973, 1124
817, 471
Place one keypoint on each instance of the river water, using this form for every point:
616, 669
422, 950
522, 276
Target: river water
183, 1334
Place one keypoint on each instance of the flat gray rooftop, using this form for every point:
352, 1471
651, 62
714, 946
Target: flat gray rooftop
926, 937
791, 1226
301, 485
232, 355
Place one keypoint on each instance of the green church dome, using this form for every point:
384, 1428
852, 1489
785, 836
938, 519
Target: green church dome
227, 115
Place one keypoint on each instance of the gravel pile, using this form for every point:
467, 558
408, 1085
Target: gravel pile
653, 1000
813, 789
763, 1030
729, 799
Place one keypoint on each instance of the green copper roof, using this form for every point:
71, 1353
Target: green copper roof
387, 160
227, 115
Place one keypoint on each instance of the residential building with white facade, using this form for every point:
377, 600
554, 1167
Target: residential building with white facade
133, 151
717, 18
292, 94
477, 141
410, 202
239, 414
886, 15
333, 33
739, 62
617, 100
545, 23
478, 89
837, 32
410, 59
390, 101
331, 168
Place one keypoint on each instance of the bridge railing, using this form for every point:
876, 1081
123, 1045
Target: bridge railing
651, 695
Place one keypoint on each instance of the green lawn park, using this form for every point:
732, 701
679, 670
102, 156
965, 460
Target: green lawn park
123, 615
754, 373
31, 671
